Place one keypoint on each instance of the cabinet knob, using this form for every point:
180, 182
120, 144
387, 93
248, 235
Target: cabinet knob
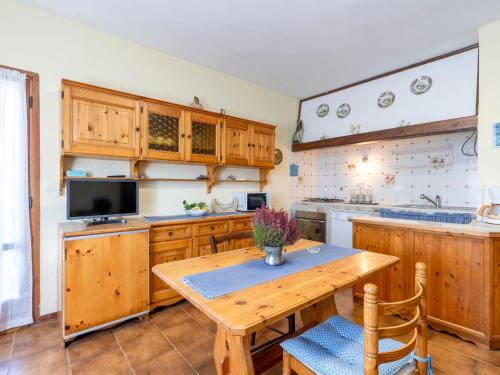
182, 135
189, 136
249, 145
253, 145
212, 227
137, 129
170, 233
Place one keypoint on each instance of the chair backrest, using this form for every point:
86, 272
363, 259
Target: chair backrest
417, 324
216, 240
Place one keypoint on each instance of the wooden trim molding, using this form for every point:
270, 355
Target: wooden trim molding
33, 100
443, 56
411, 131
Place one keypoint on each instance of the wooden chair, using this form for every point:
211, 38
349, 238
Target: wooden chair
338, 346
216, 240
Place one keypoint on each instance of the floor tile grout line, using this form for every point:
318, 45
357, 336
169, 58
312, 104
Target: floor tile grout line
196, 320
9, 360
68, 360
123, 351
174, 346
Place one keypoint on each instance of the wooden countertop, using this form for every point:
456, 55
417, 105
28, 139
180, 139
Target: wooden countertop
73, 229
474, 229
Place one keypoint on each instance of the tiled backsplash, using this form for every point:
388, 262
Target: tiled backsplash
396, 171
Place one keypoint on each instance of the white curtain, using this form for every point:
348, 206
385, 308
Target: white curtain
15, 243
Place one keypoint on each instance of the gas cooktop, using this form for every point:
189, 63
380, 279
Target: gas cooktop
323, 200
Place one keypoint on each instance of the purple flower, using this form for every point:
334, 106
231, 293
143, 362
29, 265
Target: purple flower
274, 228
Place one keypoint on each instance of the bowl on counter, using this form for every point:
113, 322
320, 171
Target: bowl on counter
197, 212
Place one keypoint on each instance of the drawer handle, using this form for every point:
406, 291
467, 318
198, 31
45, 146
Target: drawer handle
212, 227
170, 233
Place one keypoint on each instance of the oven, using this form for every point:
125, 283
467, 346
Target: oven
311, 225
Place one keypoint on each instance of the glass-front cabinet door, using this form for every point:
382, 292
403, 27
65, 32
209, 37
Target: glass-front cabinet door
163, 132
203, 133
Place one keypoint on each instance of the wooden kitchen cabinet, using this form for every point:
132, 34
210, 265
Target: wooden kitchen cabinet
99, 123
393, 283
203, 138
237, 142
457, 278
262, 154
163, 132
105, 280
463, 263
190, 238
164, 252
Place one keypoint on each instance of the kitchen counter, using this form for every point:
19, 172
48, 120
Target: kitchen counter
475, 228
173, 219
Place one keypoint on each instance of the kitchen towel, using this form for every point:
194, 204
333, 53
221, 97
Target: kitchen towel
217, 283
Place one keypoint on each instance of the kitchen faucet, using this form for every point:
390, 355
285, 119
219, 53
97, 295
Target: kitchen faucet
436, 203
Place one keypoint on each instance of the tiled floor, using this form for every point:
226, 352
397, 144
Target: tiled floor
178, 340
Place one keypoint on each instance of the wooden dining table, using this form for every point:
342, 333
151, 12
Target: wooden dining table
241, 313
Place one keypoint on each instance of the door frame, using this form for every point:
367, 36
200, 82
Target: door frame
33, 104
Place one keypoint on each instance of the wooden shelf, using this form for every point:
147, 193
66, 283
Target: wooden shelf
98, 178
171, 179
237, 181
411, 131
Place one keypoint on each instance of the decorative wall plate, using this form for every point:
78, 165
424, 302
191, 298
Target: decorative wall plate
322, 110
421, 85
343, 110
278, 156
386, 99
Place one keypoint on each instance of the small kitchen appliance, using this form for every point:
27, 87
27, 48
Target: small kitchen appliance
489, 211
252, 201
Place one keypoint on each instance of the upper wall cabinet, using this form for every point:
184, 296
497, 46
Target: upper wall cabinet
262, 154
99, 123
247, 143
163, 134
203, 135
237, 142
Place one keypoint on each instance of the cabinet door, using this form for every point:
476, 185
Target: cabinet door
164, 252
202, 246
241, 243
396, 283
203, 134
163, 132
262, 154
237, 142
457, 281
105, 279
99, 123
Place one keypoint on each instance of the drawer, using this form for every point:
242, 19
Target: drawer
210, 228
171, 232
241, 225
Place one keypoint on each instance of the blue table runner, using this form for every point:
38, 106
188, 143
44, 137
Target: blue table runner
217, 283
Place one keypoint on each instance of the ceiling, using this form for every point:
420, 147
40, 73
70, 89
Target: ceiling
296, 47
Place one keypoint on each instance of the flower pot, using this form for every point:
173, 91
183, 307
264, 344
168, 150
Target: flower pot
274, 256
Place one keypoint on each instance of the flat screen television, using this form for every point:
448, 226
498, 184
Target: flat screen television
91, 199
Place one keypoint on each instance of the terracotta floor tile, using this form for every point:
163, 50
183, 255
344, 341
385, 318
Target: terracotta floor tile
112, 362
92, 344
145, 348
168, 363
6, 337
36, 339
47, 361
193, 341
169, 316
199, 317
479, 352
485, 369
450, 362
133, 330
5, 349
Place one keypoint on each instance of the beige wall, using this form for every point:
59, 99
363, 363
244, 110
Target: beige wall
56, 48
489, 103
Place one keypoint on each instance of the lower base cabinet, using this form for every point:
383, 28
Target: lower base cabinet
176, 241
463, 282
105, 279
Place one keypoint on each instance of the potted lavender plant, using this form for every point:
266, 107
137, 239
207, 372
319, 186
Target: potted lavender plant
272, 230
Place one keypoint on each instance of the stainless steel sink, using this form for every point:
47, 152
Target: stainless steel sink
423, 206
429, 207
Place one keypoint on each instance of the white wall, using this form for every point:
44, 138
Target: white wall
452, 95
489, 103
57, 48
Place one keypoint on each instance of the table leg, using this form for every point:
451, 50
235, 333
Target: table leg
232, 353
319, 312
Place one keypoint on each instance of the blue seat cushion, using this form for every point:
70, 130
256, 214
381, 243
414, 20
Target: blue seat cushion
336, 347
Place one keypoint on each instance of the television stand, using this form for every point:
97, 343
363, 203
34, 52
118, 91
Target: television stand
105, 220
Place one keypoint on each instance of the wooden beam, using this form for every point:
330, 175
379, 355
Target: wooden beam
411, 131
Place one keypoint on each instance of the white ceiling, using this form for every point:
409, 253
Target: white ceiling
297, 47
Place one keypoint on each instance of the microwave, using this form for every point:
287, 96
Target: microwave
252, 201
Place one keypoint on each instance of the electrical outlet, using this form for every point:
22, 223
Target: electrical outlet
399, 187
